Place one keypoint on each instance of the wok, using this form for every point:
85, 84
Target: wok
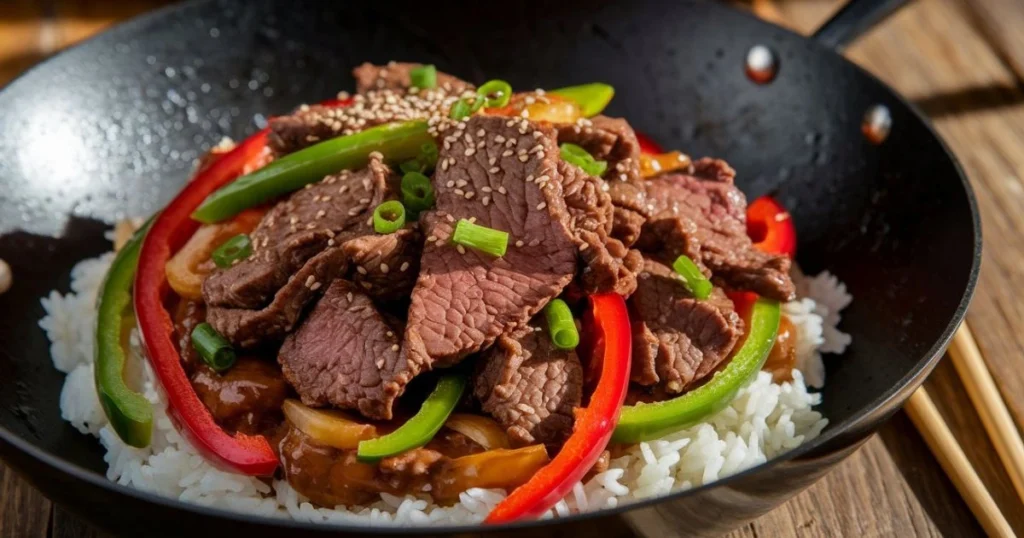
112, 127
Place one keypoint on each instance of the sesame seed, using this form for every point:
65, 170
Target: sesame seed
525, 113
535, 242
325, 198
499, 139
310, 226
529, 178
405, 265
519, 243
486, 200
361, 270
510, 123
349, 295
447, 145
522, 152
502, 190
541, 205
537, 134
507, 153
320, 214
543, 179
523, 158
461, 183
384, 268
481, 132
460, 248
315, 286
470, 195
444, 164
494, 170
450, 184
460, 192
376, 155
536, 148
540, 155
470, 151
486, 188
395, 347
481, 144
369, 221
449, 218
431, 239
310, 280
380, 363
472, 220
293, 219
364, 201
584, 246
511, 142
330, 242
343, 189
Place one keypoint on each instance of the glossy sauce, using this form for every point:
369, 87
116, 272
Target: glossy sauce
782, 358
246, 398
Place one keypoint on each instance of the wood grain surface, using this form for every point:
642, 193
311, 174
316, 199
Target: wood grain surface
962, 63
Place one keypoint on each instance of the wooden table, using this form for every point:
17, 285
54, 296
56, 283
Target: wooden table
962, 62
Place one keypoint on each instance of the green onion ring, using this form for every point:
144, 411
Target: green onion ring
389, 217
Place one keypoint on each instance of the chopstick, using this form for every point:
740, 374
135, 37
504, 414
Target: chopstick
929, 422
984, 394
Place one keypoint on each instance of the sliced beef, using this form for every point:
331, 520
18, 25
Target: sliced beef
386, 265
607, 139
262, 293
608, 265
530, 387
501, 173
345, 354
704, 216
395, 76
382, 99
677, 339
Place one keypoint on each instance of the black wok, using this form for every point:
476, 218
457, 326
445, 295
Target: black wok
112, 127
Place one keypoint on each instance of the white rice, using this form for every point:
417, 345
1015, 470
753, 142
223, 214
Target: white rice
765, 419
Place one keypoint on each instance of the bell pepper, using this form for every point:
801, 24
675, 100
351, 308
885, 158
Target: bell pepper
170, 230
397, 141
647, 145
646, 421
421, 428
770, 227
128, 411
592, 98
608, 321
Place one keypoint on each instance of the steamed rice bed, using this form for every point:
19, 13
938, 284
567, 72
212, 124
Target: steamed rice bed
764, 420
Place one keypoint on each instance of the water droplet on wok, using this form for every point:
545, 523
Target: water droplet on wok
877, 124
762, 64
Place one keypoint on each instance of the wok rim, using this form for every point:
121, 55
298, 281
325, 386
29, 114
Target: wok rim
862, 422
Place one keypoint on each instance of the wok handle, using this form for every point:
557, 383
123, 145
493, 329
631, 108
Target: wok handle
853, 19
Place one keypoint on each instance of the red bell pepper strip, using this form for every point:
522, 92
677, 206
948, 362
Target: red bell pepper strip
770, 227
648, 146
245, 454
594, 423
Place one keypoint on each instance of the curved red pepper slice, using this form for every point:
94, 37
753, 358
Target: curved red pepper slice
648, 146
245, 454
770, 227
594, 424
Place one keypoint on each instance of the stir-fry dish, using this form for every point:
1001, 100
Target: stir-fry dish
430, 286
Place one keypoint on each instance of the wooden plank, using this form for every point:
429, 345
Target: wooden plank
66, 525
1000, 22
24, 512
24, 37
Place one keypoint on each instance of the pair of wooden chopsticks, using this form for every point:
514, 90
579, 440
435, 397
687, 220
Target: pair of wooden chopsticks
984, 394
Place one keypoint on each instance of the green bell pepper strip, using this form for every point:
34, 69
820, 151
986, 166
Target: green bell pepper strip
128, 411
592, 97
646, 421
421, 428
397, 141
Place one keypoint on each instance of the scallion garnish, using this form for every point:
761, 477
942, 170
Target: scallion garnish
235, 249
573, 154
465, 107
423, 77
213, 348
389, 217
417, 192
428, 155
561, 325
482, 238
496, 93
695, 281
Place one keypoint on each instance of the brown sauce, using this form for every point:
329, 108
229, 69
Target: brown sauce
246, 398
188, 314
782, 358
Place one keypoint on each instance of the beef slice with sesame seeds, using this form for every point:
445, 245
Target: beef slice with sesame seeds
345, 354
677, 339
703, 215
607, 139
608, 265
386, 265
530, 387
396, 76
502, 174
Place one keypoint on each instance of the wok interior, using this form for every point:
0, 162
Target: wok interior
111, 129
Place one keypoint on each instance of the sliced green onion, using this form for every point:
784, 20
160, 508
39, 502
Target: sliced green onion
417, 192
413, 165
460, 109
235, 249
561, 325
423, 77
695, 281
592, 97
482, 238
428, 155
212, 347
573, 154
389, 217
496, 93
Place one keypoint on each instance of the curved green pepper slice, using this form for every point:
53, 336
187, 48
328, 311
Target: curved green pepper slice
648, 421
592, 97
397, 141
128, 411
421, 428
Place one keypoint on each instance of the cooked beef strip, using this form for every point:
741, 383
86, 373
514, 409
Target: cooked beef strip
311, 124
677, 339
503, 173
607, 139
260, 298
608, 266
705, 214
530, 387
395, 76
386, 265
345, 354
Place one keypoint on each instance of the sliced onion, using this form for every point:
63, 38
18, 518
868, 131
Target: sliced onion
500, 468
328, 427
482, 430
186, 272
